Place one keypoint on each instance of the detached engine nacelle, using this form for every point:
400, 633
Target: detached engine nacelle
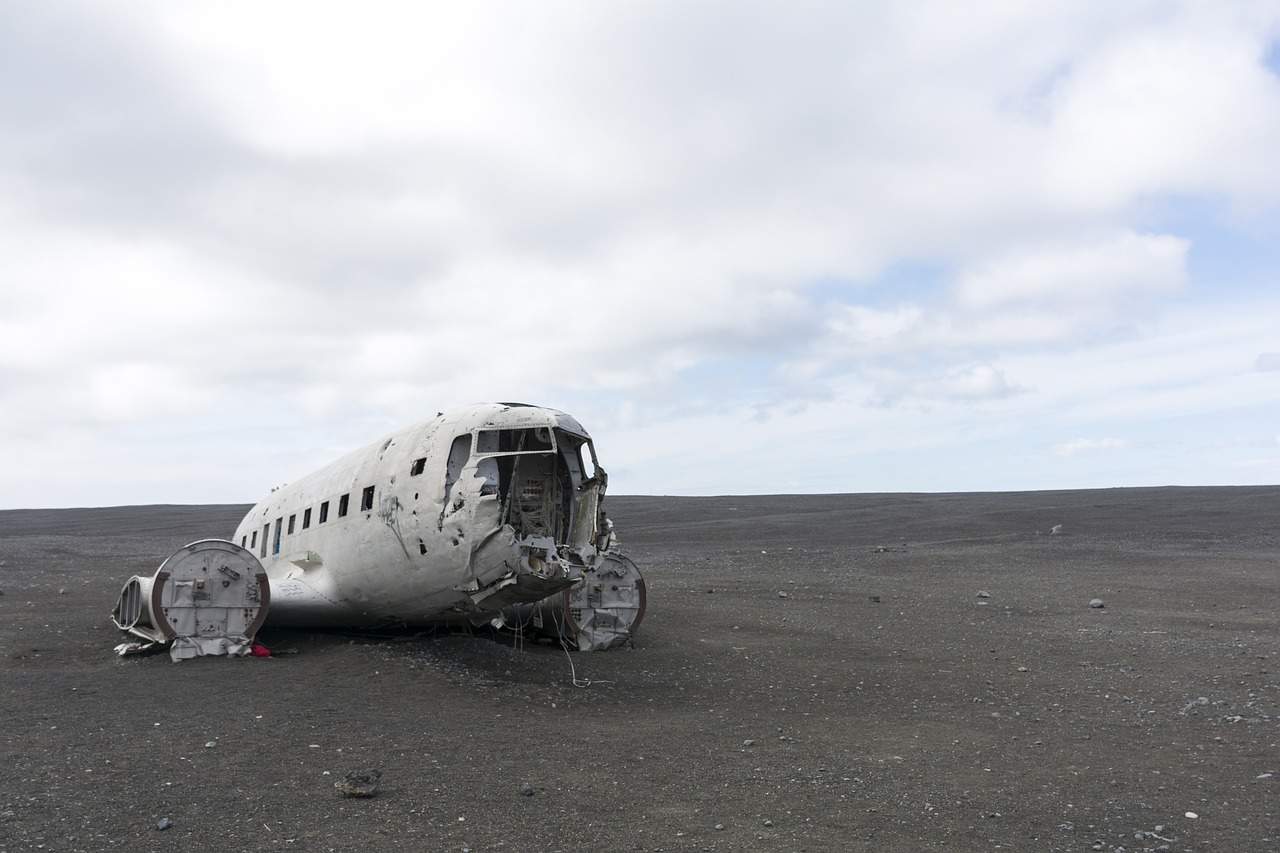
601, 611
208, 598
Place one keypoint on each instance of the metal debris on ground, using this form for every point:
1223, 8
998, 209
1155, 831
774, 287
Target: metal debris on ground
208, 598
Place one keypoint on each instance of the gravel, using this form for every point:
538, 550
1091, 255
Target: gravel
875, 728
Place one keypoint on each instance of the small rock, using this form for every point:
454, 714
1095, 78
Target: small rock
710, 590
982, 593
875, 599
748, 742
781, 594
163, 823
1264, 776
1056, 530
1023, 669
764, 552
768, 822
719, 827
62, 590
1191, 815
1096, 603
526, 790
359, 783
210, 744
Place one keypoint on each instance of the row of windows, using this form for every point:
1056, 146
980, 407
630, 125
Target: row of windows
344, 502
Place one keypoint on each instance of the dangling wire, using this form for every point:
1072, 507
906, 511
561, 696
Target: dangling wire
573, 671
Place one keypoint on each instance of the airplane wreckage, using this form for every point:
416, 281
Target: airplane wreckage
492, 514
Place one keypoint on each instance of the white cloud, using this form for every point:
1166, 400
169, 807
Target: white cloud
980, 382
304, 223
1087, 445
1268, 361
965, 384
1096, 271
1182, 105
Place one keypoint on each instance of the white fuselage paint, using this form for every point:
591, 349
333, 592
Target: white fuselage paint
418, 553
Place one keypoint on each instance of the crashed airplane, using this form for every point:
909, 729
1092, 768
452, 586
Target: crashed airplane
493, 514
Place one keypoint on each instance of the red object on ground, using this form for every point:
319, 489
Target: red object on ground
260, 651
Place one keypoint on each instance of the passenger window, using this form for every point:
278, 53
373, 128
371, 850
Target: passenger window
262, 547
418, 466
292, 519
306, 518
242, 538
366, 499
254, 543
275, 543
324, 512
342, 505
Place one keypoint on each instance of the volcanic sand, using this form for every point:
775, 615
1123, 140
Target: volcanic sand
813, 673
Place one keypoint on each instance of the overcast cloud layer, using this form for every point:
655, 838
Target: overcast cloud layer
754, 248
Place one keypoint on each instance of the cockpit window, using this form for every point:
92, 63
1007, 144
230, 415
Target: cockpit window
492, 442
586, 461
459, 452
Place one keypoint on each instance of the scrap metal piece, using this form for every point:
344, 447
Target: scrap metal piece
607, 607
208, 598
601, 611
132, 648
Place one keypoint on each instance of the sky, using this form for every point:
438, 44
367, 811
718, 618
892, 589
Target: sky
753, 247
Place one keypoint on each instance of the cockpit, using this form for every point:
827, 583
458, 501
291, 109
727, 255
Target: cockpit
546, 480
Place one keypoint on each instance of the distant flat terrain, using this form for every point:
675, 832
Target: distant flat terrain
814, 673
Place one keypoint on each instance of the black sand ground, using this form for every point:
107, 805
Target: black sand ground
881, 705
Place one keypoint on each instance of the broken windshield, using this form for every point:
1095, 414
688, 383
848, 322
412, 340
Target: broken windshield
509, 442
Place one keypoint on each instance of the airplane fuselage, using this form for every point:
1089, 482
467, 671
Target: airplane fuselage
469, 514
